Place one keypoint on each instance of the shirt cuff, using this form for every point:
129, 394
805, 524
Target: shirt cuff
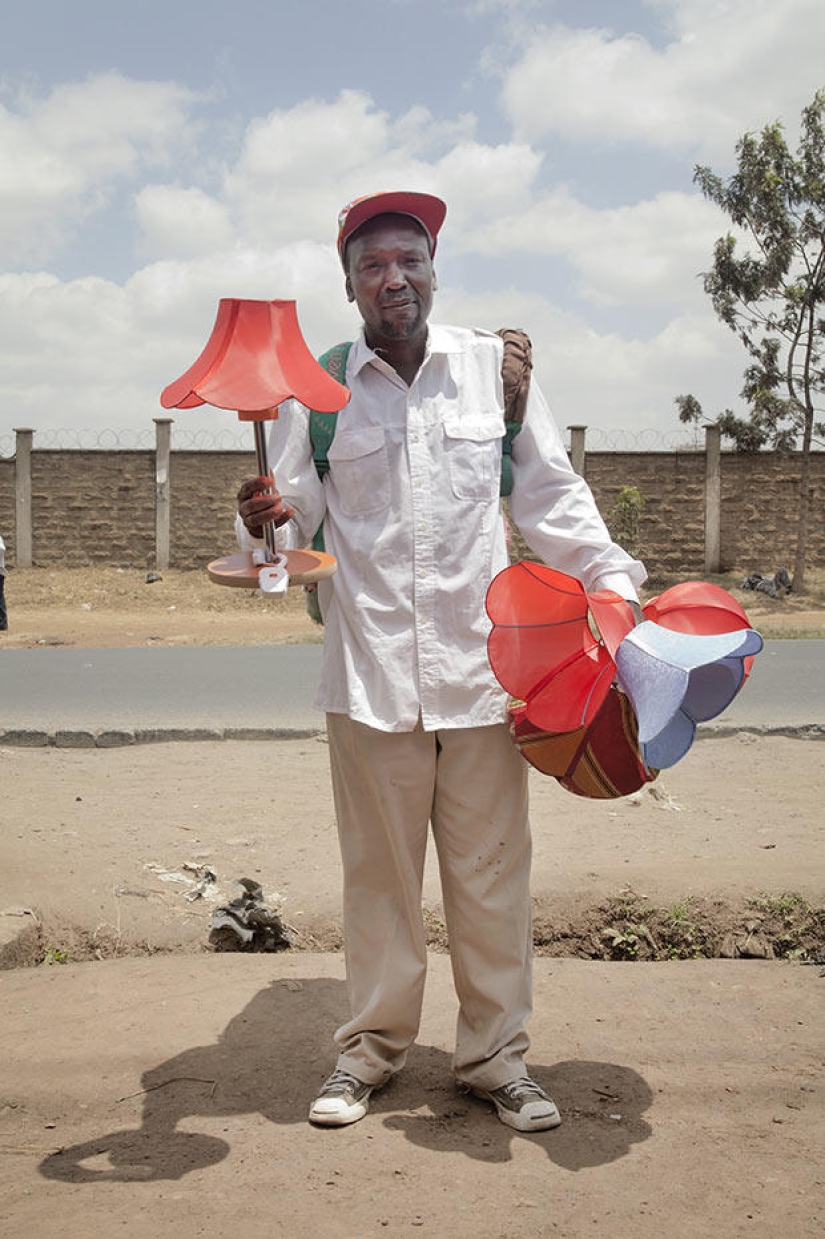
619, 582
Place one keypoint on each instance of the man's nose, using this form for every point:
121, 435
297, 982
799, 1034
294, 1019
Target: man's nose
396, 277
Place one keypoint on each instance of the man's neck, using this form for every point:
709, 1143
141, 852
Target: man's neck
405, 356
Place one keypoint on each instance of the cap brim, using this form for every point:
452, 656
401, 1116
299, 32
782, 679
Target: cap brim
426, 209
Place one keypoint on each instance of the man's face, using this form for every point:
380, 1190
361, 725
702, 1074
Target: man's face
391, 279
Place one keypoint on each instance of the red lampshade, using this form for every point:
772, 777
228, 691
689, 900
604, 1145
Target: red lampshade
255, 357
570, 719
541, 647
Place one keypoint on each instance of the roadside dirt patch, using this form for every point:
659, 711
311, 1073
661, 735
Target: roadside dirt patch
94, 607
110, 850
168, 1095
117, 607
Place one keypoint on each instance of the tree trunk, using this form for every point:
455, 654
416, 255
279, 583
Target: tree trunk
804, 504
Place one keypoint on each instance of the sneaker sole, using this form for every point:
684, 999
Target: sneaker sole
340, 1117
542, 1122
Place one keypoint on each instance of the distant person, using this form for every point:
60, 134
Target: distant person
415, 718
4, 614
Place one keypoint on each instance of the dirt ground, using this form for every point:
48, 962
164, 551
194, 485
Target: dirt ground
97, 607
104, 607
692, 1090
127, 851
186, 815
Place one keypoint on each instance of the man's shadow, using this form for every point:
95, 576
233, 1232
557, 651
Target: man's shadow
268, 1060
275, 1052
602, 1107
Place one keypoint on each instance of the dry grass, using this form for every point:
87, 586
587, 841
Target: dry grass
116, 606
797, 615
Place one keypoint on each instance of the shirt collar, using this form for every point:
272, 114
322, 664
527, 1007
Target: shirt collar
439, 340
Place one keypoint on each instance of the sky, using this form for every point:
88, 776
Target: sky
156, 157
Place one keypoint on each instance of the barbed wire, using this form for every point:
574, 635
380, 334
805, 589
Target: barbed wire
598, 439
239, 439
72, 439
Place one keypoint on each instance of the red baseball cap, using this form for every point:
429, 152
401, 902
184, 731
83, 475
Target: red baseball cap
425, 209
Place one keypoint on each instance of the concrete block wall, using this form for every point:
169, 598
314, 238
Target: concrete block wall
204, 486
98, 507
672, 485
760, 498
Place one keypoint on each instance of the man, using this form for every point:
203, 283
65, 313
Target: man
415, 719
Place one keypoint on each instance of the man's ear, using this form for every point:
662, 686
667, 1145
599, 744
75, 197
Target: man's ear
348, 288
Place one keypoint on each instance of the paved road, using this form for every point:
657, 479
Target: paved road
272, 687
269, 687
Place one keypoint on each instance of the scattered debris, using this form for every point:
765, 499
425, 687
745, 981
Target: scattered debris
163, 1084
777, 586
200, 880
752, 945
659, 794
246, 923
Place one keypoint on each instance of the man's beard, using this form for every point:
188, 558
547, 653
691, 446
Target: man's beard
403, 328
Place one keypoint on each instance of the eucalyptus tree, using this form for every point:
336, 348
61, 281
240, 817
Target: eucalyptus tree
767, 284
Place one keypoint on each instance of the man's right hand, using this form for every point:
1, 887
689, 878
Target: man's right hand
259, 504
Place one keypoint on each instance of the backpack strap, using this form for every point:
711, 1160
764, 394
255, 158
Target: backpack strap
322, 425
516, 367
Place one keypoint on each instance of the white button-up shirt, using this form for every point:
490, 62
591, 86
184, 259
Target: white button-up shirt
411, 510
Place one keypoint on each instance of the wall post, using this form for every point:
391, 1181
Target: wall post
713, 499
163, 441
23, 498
578, 452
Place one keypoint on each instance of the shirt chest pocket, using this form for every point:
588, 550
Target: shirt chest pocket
359, 470
473, 450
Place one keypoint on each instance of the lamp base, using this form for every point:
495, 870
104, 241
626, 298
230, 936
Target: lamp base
304, 568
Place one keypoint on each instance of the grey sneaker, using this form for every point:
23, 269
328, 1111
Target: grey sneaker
523, 1104
343, 1099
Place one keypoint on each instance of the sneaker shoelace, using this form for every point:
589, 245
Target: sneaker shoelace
341, 1082
522, 1089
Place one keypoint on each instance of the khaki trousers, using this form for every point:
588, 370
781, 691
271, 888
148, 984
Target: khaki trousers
470, 784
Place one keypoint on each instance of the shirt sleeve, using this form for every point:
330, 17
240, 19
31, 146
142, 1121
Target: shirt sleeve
554, 510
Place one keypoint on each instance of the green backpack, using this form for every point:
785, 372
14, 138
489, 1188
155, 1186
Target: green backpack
516, 366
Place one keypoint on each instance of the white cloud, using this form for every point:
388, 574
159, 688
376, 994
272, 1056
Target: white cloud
95, 352
483, 183
299, 166
283, 184
696, 93
645, 255
606, 381
268, 230
181, 222
111, 349
61, 155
